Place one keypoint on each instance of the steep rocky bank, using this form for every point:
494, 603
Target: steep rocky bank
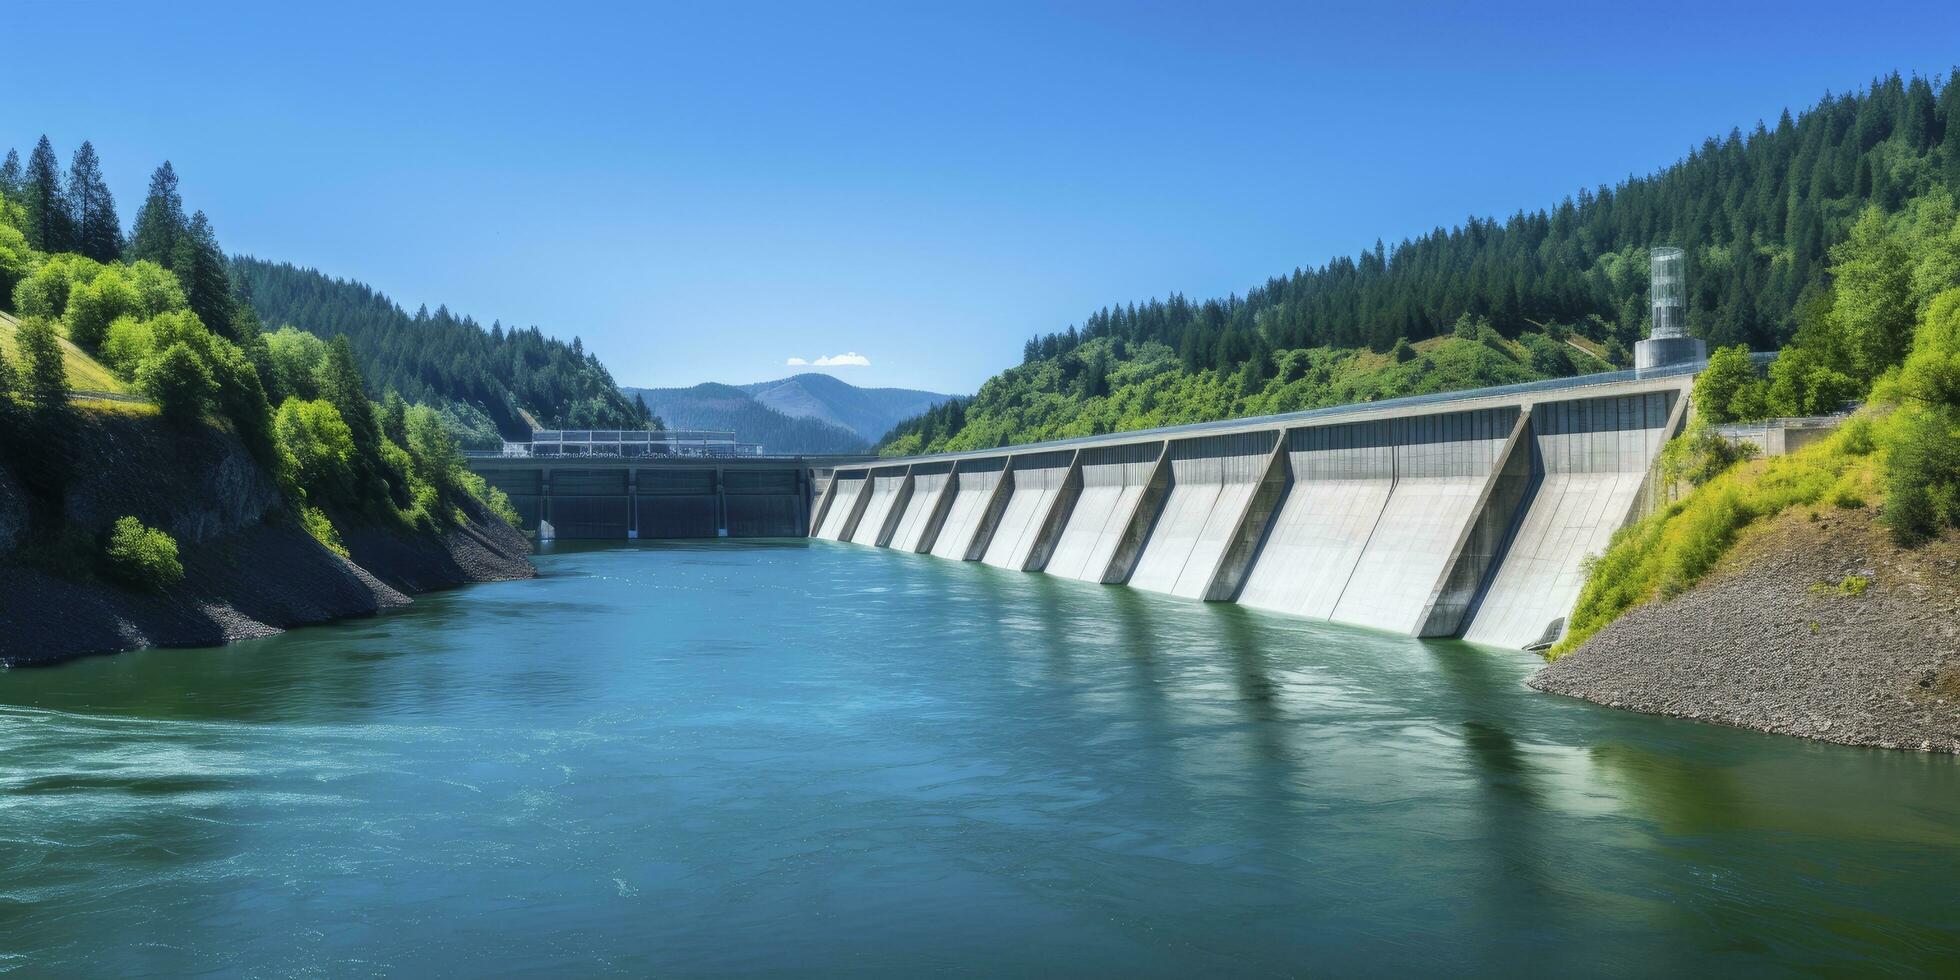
248, 569
1819, 628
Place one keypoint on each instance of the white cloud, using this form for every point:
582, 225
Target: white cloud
846, 359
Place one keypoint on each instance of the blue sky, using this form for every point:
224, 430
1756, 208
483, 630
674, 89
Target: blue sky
705, 191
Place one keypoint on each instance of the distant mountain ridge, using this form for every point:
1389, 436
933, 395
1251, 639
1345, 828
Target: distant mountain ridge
807, 413
869, 412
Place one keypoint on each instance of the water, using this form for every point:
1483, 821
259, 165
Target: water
817, 758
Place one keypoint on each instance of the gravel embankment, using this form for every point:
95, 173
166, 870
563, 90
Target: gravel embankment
1776, 640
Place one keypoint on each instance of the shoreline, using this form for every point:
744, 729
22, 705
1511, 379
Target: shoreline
1816, 626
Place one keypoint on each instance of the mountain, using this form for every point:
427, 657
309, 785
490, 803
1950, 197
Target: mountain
808, 413
719, 406
1758, 214
869, 412
486, 381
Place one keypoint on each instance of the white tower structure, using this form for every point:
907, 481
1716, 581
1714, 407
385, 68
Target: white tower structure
1668, 343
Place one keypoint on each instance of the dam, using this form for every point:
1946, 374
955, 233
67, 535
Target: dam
1468, 514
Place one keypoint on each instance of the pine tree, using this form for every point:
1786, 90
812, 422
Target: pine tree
50, 222
98, 232
201, 269
47, 374
10, 177
161, 222
341, 385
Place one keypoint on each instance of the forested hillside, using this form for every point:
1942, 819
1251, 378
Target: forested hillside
482, 379
719, 406
1757, 212
157, 311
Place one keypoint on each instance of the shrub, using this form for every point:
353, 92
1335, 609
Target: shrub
94, 305
1701, 454
316, 523
141, 556
127, 345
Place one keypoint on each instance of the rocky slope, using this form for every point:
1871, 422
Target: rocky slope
249, 571
1817, 627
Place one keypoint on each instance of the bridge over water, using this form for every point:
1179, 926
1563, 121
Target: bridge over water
1465, 514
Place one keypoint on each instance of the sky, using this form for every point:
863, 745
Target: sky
899, 194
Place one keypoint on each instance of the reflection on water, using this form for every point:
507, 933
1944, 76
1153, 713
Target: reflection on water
790, 757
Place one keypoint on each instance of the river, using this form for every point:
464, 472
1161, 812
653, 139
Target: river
804, 757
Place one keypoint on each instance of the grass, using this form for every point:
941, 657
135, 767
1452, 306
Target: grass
85, 373
1670, 550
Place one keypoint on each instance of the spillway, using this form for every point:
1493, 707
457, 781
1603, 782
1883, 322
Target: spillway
929, 483
1469, 514
845, 489
1212, 481
1036, 483
1594, 458
1442, 463
886, 487
1342, 478
973, 487
1114, 479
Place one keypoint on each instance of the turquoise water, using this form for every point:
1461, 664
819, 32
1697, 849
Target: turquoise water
801, 758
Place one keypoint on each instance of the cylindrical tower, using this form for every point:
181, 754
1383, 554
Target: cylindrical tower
1668, 293
1668, 343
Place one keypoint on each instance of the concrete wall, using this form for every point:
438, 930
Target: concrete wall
1113, 480
846, 495
1342, 478
1035, 483
1590, 459
916, 526
1442, 463
886, 487
612, 498
1212, 481
973, 486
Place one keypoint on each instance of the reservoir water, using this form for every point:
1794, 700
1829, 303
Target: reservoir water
802, 757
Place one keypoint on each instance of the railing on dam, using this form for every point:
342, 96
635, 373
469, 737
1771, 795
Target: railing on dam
1466, 514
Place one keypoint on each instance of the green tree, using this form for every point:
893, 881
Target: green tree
16, 260
97, 230
318, 447
180, 381
11, 177
341, 385
296, 360
201, 268
50, 219
394, 418
161, 222
1872, 273
1720, 389
9, 387
46, 384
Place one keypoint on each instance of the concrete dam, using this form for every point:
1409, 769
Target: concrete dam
1469, 514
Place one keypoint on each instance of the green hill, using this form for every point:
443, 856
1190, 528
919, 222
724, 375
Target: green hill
490, 376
